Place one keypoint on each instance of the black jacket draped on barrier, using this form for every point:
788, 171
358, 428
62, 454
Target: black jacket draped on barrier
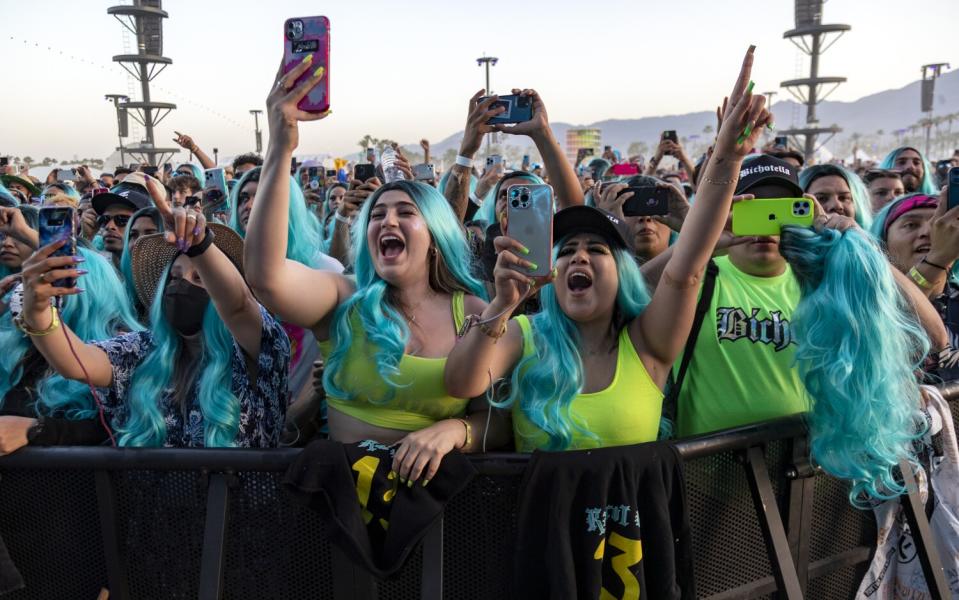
381, 529
607, 523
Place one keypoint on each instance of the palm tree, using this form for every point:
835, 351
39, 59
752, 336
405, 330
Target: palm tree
368, 141
28, 160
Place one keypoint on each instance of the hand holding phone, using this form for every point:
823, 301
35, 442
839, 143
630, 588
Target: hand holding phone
364, 171
516, 109
766, 216
529, 221
952, 191
305, 36
55, 224
646, 201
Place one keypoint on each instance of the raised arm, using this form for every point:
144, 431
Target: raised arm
38, 318
661, 330
562, 176
229, 293
186, 142
352, 202
457, 190
278, 282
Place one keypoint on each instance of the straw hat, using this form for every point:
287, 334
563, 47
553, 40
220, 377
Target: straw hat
152, 254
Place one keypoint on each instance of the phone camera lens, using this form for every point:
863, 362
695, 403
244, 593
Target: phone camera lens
772, 217
515, 203
525, 197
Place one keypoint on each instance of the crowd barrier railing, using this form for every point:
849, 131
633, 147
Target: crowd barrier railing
212, 524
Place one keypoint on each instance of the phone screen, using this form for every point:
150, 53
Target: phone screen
55, 224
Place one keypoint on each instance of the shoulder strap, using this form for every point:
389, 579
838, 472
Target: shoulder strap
458, 308
702, 307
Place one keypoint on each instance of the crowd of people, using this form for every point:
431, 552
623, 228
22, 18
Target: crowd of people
397, 308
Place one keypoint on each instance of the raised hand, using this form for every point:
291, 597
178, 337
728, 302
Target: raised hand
538, 125
40, 271
944, 234
184, 141
281, 104
183, 227
511, 284
609, 198
745, 115
476, 127
356, 196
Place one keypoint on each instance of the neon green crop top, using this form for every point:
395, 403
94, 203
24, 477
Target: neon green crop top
627, 412
419, 399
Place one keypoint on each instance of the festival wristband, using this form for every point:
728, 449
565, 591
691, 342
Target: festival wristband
919, 278
203, 246
475, 200
342, 219
464, 161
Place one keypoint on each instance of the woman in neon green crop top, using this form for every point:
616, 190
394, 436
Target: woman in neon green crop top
387, 335
588, 369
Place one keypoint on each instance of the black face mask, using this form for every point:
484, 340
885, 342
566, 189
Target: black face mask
184, 305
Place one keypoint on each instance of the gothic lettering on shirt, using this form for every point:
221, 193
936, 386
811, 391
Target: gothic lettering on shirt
733, 324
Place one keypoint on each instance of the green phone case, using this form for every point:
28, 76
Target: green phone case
766, 216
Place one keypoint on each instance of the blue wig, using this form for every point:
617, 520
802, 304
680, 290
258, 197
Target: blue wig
546, 382
61, 188
372, 302
330, 223
928, 184
8, 198
304, 231
145, 424
100, 312
859, 344
126, 260
195, 169
860, 196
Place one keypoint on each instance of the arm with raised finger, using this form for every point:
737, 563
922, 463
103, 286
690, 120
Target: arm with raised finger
277, 281
457, 190
661, 330
186, 142
42, 323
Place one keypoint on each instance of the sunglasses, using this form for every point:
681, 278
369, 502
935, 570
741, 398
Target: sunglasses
120, 220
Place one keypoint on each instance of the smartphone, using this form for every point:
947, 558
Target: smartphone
625, 169
293, 166
670, 134
766, 216
525, 162
647, 201
66, 175
952, 198
781, 140
4, 161
215, 190
303, 36
330, 173
529, 220
364, 171
150, 170
519, 109
55, 224
424, 172
493, 159
167, 168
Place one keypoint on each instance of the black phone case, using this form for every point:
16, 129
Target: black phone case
646, 202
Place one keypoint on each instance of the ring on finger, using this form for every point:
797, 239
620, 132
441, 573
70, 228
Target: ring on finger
43, 278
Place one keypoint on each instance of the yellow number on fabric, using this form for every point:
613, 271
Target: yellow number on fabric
365, 468
632, 553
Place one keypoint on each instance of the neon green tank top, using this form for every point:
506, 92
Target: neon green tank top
419, 399
742, 366
627, 412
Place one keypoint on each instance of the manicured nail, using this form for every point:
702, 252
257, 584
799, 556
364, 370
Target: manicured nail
749, 88
532, 267
196, 231
555, 272
409, 483
308, 58
78, 259
80, 289
402, 480
82, 271
391, 475
770, 126
524, 250
426, 482
318, 72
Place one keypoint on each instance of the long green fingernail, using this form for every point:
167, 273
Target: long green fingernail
318, 72
308, 58
409, 483
532, 267
524, 250
770, 126
426, 482
749, 88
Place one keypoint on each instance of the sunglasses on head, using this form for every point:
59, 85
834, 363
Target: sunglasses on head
120, 220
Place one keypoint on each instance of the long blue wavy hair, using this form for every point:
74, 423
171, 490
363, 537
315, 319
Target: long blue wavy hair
928, 185
859, 344
8, 197
145, 425
546, 382
126, 260
330, 222
100, 312
878, 229
372, 302
304, 232
860, 196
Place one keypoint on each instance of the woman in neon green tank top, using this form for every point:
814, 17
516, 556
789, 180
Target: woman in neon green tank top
587, 371
388, 334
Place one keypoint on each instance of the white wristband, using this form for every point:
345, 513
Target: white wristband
475, 200
342, 219
464, 161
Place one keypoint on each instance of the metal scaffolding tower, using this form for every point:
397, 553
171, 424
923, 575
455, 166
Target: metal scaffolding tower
810, 90
144, 20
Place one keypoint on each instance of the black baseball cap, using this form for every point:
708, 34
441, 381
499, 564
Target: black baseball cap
766, 170
127, 193
588, 219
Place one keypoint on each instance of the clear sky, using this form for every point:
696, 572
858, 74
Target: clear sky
405, 70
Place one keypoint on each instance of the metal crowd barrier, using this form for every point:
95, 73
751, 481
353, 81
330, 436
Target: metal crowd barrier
183, 524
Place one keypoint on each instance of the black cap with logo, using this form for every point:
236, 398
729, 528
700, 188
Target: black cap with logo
587, 219
766, 170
